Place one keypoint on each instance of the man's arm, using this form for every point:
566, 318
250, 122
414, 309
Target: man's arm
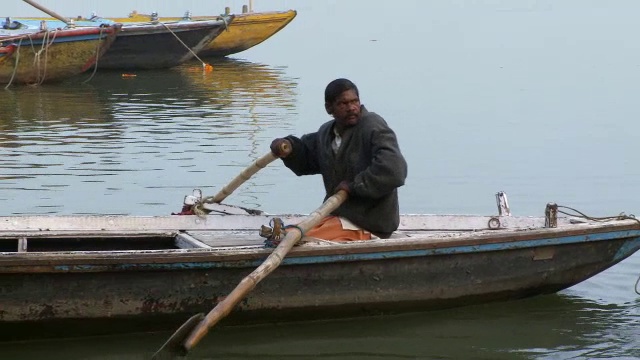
303, 159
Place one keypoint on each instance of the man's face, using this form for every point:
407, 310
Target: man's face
346, 108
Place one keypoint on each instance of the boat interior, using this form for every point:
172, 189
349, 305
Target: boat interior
127, 233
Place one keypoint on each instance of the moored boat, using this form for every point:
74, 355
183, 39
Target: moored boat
149, 44
247, 30
134, 268
52, 54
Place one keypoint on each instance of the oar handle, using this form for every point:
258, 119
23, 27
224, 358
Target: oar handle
49, 12
247, 284
248, 172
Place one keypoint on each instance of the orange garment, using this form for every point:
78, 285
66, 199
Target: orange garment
330, 228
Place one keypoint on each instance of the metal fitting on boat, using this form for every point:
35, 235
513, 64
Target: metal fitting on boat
154, 16
503, 204
187, 15
190, 200
194, 198
551, 215
43, 25
494, 223
274, 233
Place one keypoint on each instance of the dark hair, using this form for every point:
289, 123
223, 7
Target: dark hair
336, 88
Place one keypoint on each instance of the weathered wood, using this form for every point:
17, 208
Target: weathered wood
124, 223
249, 282
247, 173
450, 261
186, 241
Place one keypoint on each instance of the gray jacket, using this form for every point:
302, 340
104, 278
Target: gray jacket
369, 158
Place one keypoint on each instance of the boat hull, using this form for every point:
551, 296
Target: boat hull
154, 46
65, 53
151, 277
245, 31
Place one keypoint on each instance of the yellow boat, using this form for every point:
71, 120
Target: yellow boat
245, 31
52, 54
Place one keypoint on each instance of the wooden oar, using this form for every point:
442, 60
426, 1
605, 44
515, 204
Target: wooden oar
49, 12
192, 331
246, 174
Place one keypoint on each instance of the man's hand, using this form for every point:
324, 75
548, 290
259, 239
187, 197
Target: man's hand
281, 147
344, 185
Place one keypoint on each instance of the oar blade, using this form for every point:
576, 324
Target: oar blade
173, 347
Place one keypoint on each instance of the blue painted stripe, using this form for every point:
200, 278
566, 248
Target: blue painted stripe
628, 248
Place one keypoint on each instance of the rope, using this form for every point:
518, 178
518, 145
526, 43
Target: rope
46, 55
204, 65
36, 54
621, 216
15, 67
272, 242
295, 227
95, 65
198, 209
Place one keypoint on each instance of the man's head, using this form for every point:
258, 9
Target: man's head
342, 101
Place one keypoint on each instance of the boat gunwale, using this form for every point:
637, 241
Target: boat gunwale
621, 229
101, 31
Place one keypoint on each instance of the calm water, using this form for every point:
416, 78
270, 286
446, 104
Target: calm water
535, 98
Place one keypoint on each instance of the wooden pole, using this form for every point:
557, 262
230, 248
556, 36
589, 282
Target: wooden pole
50, 12
197, 327
245, 175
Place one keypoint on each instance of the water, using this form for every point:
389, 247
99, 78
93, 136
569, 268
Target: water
535, 98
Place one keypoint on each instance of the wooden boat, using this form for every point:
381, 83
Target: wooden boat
150, 45
52, 54
247, 30
160, 270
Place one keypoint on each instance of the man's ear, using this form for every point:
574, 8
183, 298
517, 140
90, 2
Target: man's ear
327, 107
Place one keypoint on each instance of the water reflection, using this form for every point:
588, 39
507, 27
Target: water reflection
545, 327
26, 105
541, 327
109, 137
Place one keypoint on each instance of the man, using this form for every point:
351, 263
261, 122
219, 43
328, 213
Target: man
356, 152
